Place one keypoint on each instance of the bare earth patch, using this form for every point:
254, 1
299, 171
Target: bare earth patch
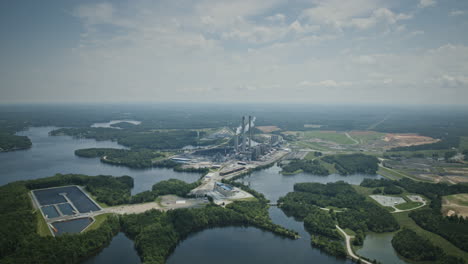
268, 129
405, 140
455, 205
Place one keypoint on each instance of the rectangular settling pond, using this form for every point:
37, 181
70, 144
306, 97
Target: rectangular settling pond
50, 211
62, 195
71, 226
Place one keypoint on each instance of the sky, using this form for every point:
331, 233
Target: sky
307, 51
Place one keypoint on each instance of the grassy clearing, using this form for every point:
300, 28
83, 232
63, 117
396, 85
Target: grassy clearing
389, 174
328, 166
311, 145
367, 137
463, 143
291, 173
405, 221
336, 137
98, 220
460, 199
42, 227
408, 205
311, 156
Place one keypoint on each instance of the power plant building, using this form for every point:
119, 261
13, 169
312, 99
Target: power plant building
224, 189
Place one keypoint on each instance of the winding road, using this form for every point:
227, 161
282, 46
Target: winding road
349, 248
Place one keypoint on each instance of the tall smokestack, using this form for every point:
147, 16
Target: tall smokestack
243, 133
250, 132
236, 142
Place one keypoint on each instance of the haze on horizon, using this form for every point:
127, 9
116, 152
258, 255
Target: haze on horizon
355, 51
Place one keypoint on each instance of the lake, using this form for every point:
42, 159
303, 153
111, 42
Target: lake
51, 155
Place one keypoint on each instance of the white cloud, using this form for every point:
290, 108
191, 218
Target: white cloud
324, 84
457, 13
426, 3
277, 18
361, 14
225, 50
381, 15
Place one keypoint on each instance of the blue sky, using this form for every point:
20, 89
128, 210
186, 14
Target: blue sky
318, 51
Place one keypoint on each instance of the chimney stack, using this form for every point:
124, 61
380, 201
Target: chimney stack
250, 132
243, 133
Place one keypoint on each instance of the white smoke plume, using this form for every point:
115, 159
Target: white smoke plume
239, 128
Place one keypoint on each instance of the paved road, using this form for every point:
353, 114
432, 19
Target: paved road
348, 246
406, 210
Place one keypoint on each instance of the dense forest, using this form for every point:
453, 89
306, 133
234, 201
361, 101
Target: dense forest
308, 166
347, 164
454, 229
155, 140
412, 246
142, 158
357, 214
10, 142
20, 243
155, 233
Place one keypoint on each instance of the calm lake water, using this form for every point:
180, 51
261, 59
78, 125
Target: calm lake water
51, 155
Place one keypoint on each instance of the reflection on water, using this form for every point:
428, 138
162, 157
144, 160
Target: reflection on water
113, 122
120, 250
379, 246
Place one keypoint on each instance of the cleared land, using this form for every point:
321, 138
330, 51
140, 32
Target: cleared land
404, 140
388, 200
268, 129
455, 204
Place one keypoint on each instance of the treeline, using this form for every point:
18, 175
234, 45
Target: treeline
389, 187
142, 158
114, 190
454, 229
308, 166
347, 164
321, 225
357, 214
106, 189
173, 139
20, 243
412, 246
156, 233
10, 142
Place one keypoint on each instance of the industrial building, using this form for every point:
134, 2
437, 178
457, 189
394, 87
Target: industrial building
224, 189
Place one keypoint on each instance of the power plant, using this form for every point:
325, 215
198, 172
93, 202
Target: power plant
249, 149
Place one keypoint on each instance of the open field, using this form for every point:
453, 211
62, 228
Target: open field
98, 220
408, 205
42, 228
365, 137
463, 143
455, 204
333, 136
